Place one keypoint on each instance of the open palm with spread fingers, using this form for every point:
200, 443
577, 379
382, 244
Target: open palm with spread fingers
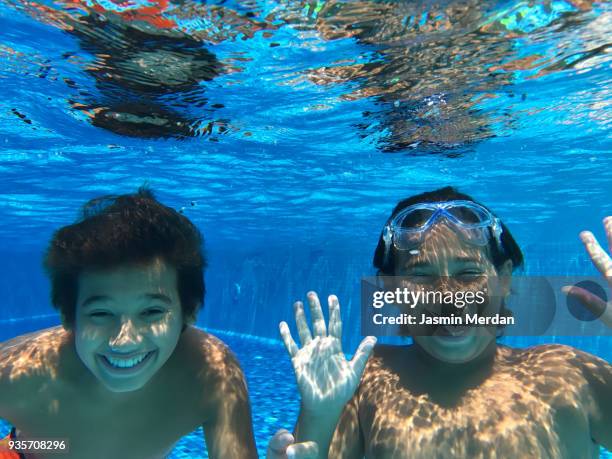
603, 263
325, 378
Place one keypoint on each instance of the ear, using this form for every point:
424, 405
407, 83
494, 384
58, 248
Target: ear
504, 273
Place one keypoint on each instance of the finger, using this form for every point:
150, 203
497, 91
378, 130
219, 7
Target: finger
280, 441
600, 258
608, 227
335, 322
590, 301
316, 314
290, 345
359, 360
301, 323
306, 450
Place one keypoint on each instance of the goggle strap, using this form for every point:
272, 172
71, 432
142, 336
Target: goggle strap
496, 229
387, 238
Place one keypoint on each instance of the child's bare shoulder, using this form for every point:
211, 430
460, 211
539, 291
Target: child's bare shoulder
384, 366
556, 355
210, 357
29, 360
34, 354
575, 370
211, 373
575, 378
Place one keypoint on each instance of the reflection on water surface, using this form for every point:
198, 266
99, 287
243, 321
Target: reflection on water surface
429, 68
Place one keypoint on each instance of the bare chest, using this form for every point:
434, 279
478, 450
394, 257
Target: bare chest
503, 418
94, 429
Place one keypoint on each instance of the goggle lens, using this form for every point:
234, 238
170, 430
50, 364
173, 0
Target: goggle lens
471, 222
469, 215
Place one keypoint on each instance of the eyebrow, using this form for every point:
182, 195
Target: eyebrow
466, 260
150, 296
94, 299
417, 264
158, 296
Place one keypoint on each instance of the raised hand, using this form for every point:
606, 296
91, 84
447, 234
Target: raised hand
325, 378
603, 263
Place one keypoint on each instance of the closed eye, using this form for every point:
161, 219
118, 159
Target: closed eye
420, 273
153, 312
100, 314
469, 274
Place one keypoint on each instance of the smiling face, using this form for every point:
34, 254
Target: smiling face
444, 262
128, 323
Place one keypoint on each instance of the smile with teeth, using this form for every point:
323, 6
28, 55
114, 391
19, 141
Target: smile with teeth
123, 363
453, 331
456, 330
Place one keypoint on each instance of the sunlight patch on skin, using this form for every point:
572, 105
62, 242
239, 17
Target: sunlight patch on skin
442, 243
513, 410
127, 335
436, 255
39, 357
201, 384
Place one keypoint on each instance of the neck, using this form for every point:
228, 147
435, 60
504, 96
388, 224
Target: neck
447, 382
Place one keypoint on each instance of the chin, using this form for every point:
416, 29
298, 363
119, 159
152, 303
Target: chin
456, 358
122, 386
454, 351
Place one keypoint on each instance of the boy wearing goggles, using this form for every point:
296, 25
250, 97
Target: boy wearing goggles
454, 392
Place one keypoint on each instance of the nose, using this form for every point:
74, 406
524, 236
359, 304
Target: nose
446, 285
127, 339
443, 283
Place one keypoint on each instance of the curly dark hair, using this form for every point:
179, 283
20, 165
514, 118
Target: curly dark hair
125, 229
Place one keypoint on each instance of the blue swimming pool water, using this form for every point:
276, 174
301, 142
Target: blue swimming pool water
303, 125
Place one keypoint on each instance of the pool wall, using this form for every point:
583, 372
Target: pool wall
251, 291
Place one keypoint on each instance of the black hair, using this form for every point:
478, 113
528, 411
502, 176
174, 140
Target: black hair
509, 250
125, 229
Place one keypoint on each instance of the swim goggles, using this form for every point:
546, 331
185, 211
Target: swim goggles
471, 221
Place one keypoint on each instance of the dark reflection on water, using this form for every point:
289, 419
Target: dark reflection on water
134, 68
428, 65
431, 63
136, 65
435, 62
148, 72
